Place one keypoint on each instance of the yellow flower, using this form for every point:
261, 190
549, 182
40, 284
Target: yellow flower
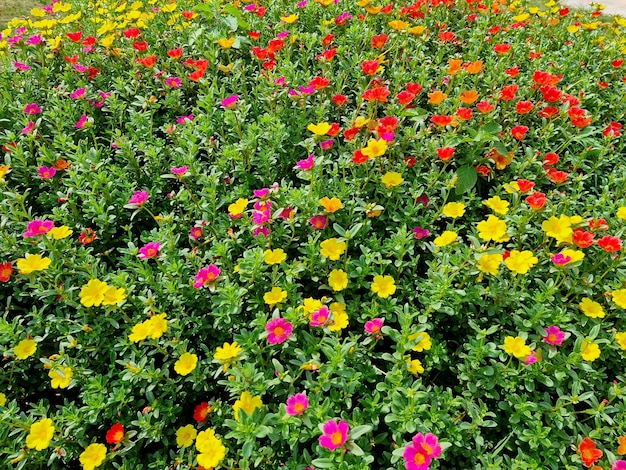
340, 317
60, 376
289, 19
619, 297
589, 351
398, 25
621, 212
575, 255
521, 261
93, 293
25, 348
140, 332
113, 295
185, 435
415, 367
516, 347
60, 232
453, 209
247, 403
417, 30
331, 205
621, 339
275, 296
591, 309
338, 280
211, 449
311, 305
391, 179
238, 207
93, 456
157, 325
375, 148
383, 286
40, 434
227, 352
226, 43
186, 363
499, 206
276, 256
492, 229
32, 263
424, 342
3, 399
445, 238
560, 229
490, 263
319, 129
332, 249
4, 169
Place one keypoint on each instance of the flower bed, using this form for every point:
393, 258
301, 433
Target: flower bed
314, 235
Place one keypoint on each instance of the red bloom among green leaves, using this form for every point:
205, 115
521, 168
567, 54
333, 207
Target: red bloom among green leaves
588, 452
115, 434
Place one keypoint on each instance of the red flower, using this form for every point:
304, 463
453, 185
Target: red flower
275, 45
75, 37
414, 88
617, 63
328, 39
319, 83
132, 33
6, 270
550, 159
175, 53
197, 75
525, 185
89, 41
508, 92
254, 35
405, 97
378, 93
519, 132
485, 107
548, 112
369, 67
188, 14
512, 72
550, 93
410, 161
502, 48
556, 176
72, 60
582, 238
445, 153
588, 452
536, 200
140, 46
201, 411
358, 157
447, 36
546, 78
441, 120
340, 100
483, 170
115, 434
327, 55
524, 107
379, 41
334, 129
610, 243
350, 134
147, 61
87, 236
465, 113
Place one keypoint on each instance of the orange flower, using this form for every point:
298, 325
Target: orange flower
621, 450
454, 65
588, 452
474, 67
469, 96
436, 97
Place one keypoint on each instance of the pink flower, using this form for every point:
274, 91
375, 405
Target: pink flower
81, 122
419, 454
32, 108
297, 404
335, 434
420, 233
34, 40
307, 163
230, 102
38, 227
195, 232
554, 336
318, 222
180, 170
320, 317
173, 82
374, 325
139, 198
150, 250
531, 358
21, 66
206, 276
29, 128
78, 94
185, 119
261, 193
326, 144
46, 172
261, 217
560, 259
619, 465
261, 231
278, 330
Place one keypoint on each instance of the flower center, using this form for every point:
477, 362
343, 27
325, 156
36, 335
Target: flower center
419, 459
552, 338
336, 438
279, 331
427, 448
299, 408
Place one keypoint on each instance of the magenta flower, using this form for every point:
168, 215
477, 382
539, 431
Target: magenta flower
32, 108
261, 193
306, 164
297, 404
374, 325
38, 227
139, 198
560, 259
21, 66
278, 330
261, 217
318, 222
531, 358
34, 40
423, 449
423, 199
320, 317
46, 172
619, 465
30, 127
261, 231
150, 250
185, 119
173, 82
554, 336
420, 233
80, 124
78, 94
230, 102
308, 90
206, 276
195, 232
180, 170
335, 434
327, 144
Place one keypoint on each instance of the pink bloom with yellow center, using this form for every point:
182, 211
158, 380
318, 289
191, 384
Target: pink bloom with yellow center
554, 336
278, 330
318, 222
139, 198
320, 317
297, 404
306, 164
32, 108
423, 449
206, 276
230, 102
374, 325
335, 434
46, 172
180, 170
38, 227
150, 250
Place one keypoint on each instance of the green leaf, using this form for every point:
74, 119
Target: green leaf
492, 127
501, 148
360, 430
467, 177
231, 22
232, 10
323, 463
